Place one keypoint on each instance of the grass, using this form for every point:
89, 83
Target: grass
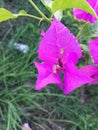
48, 109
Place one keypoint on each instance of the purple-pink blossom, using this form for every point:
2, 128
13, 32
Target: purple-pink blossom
94, 50
82, 15
92, 70
59, 51
93, 46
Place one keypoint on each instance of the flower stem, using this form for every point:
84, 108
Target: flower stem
78, 35
39, 11
32, 16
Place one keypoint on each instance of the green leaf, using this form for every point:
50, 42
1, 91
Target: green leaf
81, 4
6, 14
47, 3
22, 12
89, 31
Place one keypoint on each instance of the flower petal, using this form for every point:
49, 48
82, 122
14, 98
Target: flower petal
82, 15
94, 50
56, 38
92, 71
74, 78
45, 76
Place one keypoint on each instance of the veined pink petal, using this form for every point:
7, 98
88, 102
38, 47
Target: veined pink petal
56, 39
92, 71
48, 49
74, 78
70, 57
67, 41
46, 76
82, 15
94, 50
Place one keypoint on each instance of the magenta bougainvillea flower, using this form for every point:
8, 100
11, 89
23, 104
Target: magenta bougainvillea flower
60, 51
93, 45
94, 50
92, 70
82, 15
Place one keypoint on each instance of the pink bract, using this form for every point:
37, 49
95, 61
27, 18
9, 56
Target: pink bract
92, 71
60, 51
93, 45
82, 15
56, 39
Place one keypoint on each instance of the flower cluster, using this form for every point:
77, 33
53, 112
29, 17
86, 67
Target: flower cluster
60, 52
91, 70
